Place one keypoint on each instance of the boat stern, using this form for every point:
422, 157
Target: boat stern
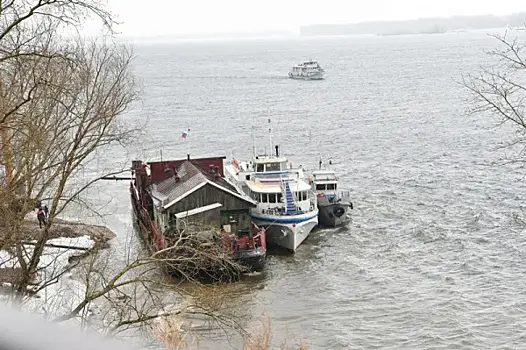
254, 259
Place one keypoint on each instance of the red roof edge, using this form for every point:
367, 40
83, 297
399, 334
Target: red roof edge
158, 173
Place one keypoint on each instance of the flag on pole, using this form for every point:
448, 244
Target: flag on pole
185, 134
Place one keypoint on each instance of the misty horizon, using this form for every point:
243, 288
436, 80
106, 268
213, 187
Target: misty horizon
291, 33
234, 17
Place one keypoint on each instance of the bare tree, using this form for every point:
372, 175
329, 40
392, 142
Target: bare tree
137, 295
24, 23
74, 112
500, 88
61, 103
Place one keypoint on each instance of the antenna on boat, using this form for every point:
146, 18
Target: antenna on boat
161, 151
270, 132
253, 140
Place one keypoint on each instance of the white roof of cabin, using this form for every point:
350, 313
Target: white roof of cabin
269, 159
275, 186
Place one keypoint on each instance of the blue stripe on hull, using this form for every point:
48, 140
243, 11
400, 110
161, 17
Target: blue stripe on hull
284, 221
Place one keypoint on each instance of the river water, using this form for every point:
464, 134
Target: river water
434, 257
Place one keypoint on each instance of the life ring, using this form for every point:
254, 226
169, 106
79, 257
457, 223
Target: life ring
339, 211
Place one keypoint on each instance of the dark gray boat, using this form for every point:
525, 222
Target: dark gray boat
333, 204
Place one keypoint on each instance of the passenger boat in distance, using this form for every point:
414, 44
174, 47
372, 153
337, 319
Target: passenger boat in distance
309, 70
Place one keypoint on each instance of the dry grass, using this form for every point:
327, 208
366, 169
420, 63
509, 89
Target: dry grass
170, 333
173, 336
261, 339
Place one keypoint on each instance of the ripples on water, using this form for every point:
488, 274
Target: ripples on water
433, 258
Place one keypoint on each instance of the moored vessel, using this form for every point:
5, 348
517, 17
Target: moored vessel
333, 203
286, 204
180, 194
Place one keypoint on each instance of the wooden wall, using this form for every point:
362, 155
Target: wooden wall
207, 195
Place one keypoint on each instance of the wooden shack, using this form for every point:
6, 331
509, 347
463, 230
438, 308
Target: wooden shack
187, 191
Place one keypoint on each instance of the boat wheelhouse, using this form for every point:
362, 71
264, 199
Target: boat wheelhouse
333, 203
286, 204
309, 70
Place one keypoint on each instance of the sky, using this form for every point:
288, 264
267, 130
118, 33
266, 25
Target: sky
186, 17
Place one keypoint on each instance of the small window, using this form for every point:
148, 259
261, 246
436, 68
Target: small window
331, 186
273, 167
305, 196
264, 198
280, 197
255, 196
247, 177
320, 187
272, 198
259, 168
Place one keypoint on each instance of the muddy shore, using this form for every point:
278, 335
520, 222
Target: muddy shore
69, 229
60, 228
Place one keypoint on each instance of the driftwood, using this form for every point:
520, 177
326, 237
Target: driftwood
51, 245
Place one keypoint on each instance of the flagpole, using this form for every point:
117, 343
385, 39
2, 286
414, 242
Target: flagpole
188, 144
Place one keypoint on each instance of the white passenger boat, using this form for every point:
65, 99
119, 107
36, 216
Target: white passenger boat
310, 70
286, 206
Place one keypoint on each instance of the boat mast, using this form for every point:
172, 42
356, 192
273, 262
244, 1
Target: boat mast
270, 134
253, 141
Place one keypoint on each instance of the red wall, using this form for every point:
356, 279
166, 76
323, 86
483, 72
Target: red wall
158, 174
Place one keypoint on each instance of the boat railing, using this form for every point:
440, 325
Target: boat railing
312, 199
334, 196
245, 241
345, 193
286, 175
280, 211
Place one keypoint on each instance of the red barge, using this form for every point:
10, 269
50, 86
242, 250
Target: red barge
177, 194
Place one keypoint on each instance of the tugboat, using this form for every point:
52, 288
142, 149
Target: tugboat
310, 70
333, 204
236, 246
246, 240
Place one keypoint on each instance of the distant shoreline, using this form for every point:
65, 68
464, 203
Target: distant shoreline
434, 25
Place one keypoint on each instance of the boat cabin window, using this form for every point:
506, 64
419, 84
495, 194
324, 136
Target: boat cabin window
260, 168
301, 196
280, 198
320, 187
331, 186
273, 167
255, 196
272, 198
264, 198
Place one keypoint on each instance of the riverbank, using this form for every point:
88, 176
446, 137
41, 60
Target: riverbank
63, 228
68, 240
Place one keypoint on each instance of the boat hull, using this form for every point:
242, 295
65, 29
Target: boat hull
311, 77
254, 260
288, 232
333, 215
